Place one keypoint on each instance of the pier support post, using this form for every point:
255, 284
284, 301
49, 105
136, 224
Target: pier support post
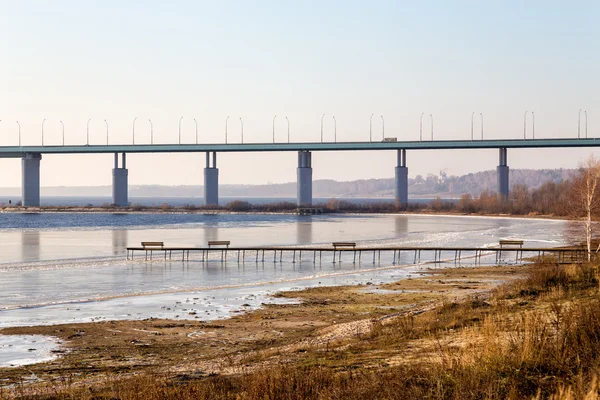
120, 195
30, 188
211, 181
401, 178
304, 189
502, 172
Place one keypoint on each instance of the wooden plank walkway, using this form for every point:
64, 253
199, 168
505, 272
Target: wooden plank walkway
563, 254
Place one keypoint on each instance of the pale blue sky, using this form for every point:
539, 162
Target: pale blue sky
116, 60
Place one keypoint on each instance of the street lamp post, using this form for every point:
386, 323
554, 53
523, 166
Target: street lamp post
63, 132
19, 133
481, 115
87, 130
382, 128
196, 122
275, 116
472, 115
180, 119
431, 116
226, 119
371, 128
323, 116
43, 131
421, 127
579, 124
151, 131
242, 129
525, 125
334, 129
133, 130
585, 111
106, 123
288, 125
532, 125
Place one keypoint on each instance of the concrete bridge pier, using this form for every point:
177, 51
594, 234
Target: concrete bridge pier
502, 172
30, 187
401, 178
119, 182
211, 181
304, 189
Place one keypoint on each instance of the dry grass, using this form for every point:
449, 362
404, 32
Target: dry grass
533, 338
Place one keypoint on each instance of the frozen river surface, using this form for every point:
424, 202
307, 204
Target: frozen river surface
57, 268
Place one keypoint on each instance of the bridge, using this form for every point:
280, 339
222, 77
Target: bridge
31, 159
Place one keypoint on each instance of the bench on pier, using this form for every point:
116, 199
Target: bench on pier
508, 242
336, 245
511, 243
218, 243
153, 245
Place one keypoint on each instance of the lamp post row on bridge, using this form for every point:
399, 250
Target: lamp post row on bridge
322, 118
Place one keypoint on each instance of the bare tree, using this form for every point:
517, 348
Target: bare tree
586, 196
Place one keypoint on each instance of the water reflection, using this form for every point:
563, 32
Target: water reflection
401, 224
119, 241
210, 233
30, 245
304, 232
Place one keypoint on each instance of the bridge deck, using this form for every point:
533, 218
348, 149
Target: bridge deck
19, 151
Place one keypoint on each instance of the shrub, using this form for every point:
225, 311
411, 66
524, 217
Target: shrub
238, 205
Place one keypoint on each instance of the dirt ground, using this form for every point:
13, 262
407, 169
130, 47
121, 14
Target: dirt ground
326, 316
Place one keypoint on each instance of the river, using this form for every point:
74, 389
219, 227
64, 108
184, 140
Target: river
72, 267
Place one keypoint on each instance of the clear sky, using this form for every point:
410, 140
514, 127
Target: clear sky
71, 60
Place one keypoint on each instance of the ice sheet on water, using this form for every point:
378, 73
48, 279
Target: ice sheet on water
49, 265
97, 221
17, 350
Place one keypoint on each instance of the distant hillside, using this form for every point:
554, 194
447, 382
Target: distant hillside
430, 185
480, 181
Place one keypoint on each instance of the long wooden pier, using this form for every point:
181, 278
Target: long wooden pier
562, 255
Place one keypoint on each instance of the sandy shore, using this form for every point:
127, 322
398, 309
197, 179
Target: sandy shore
94, 352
